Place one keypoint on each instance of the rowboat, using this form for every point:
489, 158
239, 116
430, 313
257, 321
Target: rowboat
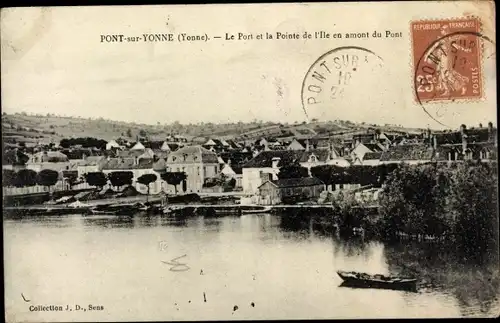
363, 280
263, 209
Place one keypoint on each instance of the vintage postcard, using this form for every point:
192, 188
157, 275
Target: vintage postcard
250, 161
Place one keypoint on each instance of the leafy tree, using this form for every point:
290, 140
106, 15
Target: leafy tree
85, 142
142, 133
47, 177
129, 133
323, 173
97, 179
473, 198
25, 177
8, 177
121, 178
174, 178
147, 179
293, 170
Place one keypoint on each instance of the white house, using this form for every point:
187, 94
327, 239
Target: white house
138, 167
54, 160
265, 166
138, 146
112, 144
361, 149
236, 173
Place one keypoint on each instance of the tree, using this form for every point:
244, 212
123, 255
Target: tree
293, 170
174, 178
8, 177
25, 177
97, 179
473, 198
121, 178
147, 179
129, 133
142, 133
47, 177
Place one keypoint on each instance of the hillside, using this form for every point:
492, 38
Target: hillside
52, 128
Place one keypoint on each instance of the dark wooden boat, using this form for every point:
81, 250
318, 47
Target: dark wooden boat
256, 210
115, 209
363, 280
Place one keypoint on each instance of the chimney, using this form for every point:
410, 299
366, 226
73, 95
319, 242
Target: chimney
275, 162
463, 128
16, 153
490, 131
307, 144
434, 142
229, 161
464, 143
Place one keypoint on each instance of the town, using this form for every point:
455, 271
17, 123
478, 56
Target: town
261, 167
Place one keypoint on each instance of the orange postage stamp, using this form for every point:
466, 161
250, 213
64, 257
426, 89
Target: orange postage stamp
447, 59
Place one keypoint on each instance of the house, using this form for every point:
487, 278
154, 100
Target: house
137, 168
112, 145
14, 159
166, 146
387, 139
91, 164
233, 144
291, 189
197, 162
233, 172
265, 166
411, 154
304, 144
315, 157
210, 143
54, 160
365, 138
370, 159
138, 146
361, 149
297, 144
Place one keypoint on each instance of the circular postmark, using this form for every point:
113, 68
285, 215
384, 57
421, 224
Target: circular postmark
450, 67
337, 77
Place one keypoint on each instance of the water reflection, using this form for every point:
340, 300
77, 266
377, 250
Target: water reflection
476, 288
108, 221
275, 261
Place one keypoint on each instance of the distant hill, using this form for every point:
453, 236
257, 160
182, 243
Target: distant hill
51, 128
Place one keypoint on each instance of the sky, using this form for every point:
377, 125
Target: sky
53, 61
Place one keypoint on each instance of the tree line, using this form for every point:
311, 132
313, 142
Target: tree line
48, 178
85, 142
333, 174
355, 174
29, 177
457, 201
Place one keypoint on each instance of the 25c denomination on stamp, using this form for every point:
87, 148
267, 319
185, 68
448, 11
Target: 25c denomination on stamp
447, 59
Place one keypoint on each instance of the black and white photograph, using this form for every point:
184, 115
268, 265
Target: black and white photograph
217, 162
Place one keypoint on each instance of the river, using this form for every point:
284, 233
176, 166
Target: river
230, 268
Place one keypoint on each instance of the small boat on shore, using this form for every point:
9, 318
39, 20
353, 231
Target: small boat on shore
263, 209
363, 280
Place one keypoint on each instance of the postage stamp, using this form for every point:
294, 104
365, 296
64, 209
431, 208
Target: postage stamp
447, 59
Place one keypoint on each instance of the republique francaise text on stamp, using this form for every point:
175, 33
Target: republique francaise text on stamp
447, 59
